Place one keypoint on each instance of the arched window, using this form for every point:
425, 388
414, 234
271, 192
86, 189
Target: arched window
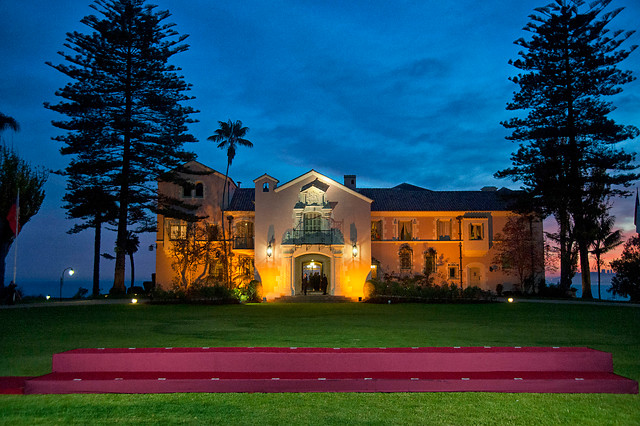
429, 261
406, 258
199, 190
265, 187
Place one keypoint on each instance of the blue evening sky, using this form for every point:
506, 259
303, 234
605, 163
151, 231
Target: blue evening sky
402, 91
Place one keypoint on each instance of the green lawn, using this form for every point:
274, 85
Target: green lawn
31, 335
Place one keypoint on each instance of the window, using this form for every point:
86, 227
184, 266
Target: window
376, 230
476, 231
405, 254
177, 230
429, 262
265, 187
199, 190
404, 230
244, 235
186, 190
453, 270
444, 230
312, 222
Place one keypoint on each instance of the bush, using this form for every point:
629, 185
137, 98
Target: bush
421, 289
215, 294
251, 292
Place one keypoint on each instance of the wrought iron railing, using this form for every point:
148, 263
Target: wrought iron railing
326, 237
243, 243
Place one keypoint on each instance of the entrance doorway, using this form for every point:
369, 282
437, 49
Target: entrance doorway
313, 271
314, 267
474, 277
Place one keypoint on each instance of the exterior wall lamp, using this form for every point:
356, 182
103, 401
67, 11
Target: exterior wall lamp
269, 250
354, 250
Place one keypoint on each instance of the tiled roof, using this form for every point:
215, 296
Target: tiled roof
243, 200
406, 197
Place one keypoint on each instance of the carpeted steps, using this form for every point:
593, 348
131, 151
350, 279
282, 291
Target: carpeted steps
479, 369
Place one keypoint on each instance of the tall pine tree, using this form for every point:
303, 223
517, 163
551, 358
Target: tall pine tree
126, 121
567, 159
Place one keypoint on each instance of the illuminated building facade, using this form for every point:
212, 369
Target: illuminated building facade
280, 233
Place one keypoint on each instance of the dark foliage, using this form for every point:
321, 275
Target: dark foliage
627, 269
126, 123
17, 175
420, 289
568, 161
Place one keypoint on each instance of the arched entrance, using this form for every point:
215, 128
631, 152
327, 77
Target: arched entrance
314, 267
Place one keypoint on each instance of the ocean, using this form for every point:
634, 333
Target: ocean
605, 284
70, 287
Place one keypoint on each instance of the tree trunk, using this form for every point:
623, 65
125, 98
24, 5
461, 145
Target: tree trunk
585, 269
598, 266
133, 270
96, 259
565, 250
224, 237
118, 276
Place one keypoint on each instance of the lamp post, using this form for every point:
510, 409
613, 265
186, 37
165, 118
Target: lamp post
71, 272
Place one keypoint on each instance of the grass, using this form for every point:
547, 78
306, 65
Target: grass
31, 335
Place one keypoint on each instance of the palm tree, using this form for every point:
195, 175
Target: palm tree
7, 122
131, 246
229, 136
604, 240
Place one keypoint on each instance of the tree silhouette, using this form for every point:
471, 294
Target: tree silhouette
567, 159
126, 122
605, 240
96, 207
8, 123
627, 279
17, 175
228, 136
131, 246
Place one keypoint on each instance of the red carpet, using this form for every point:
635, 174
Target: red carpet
12, 385
481, 369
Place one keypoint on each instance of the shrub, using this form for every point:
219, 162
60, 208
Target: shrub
421, 289
251, 292
215, 294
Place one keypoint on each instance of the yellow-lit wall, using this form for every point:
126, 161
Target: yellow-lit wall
209, 207
273, 217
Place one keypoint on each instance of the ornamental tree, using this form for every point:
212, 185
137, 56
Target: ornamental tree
568, 158
126, 123
627, 269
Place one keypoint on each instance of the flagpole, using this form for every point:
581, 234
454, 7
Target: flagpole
15, 242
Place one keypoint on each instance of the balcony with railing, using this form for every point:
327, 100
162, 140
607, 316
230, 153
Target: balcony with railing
243, 243
324, 237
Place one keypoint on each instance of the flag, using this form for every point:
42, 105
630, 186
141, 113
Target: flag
12, 217
636, 214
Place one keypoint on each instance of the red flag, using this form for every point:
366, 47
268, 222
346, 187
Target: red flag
12, 217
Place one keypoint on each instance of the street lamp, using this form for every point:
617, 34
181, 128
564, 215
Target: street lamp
71, 272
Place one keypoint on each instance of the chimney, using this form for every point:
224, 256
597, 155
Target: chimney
350, 181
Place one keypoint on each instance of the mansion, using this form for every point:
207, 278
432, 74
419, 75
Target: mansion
279, 233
